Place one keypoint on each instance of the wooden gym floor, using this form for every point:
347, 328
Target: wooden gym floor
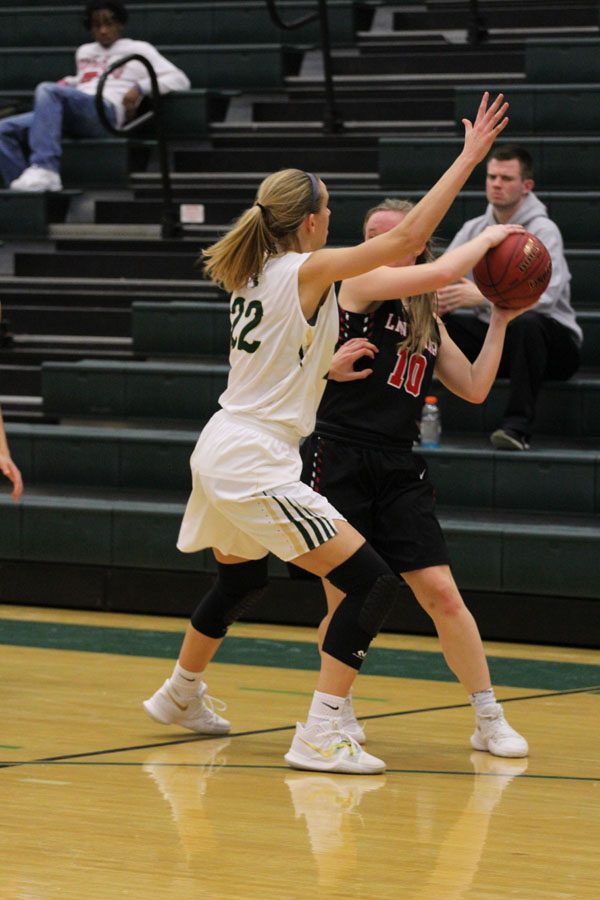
100, 802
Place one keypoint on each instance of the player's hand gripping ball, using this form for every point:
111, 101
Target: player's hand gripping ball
515, 273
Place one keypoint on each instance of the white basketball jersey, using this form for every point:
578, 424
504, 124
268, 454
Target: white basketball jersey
279, 361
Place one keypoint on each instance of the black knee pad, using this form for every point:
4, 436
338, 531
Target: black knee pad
371, 590
236, 589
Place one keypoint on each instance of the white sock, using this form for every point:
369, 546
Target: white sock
481, 699
184, 683
324, 706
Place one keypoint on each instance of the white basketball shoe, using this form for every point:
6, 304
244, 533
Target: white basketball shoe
350, 724
494, 734
325, 747
197, 714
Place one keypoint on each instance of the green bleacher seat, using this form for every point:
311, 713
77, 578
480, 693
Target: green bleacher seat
180, 328
541, 109
577, 214
104, 162
490, 551
547, 478
216, 22
564, 408
575, 61
551, 479
126, 458
148, 390
418, 162
28, 215
590, 323
208, 66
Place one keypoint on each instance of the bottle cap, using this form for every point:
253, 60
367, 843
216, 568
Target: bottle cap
431, 399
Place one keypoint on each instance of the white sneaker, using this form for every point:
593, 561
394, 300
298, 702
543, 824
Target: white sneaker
35, 178
198, 714
325, 747
494, 734
350, 724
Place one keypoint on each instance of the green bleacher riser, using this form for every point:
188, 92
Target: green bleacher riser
207, 66
203, 329
28, 215
557, 481
563, 481
539, 109
521, 558
576, 214
584, 266
94, 531
147, 390
114, 458
220, 22
186, 114
190, 391
194, 328
560, 163
570, 409
487, 555
102, 163
572, 61
589, 321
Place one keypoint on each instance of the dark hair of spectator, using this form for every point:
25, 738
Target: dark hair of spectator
114, 6
512, 151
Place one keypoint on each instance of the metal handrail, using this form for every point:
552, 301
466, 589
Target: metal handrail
170, 225
332, 121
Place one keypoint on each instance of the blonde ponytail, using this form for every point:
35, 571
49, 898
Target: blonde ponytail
283, 201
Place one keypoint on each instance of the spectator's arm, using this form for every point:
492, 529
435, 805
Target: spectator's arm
169, 77
462, 294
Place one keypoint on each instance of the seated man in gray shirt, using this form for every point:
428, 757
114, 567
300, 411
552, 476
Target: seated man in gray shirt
543, 342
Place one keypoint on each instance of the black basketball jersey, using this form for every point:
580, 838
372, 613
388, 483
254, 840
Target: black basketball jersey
383, 409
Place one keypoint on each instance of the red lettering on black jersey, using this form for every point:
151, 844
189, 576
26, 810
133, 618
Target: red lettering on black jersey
416, 365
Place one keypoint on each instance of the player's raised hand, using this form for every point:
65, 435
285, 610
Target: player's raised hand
489, 123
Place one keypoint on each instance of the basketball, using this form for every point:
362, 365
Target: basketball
516, 273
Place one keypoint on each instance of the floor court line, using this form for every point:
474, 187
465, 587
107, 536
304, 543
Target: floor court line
10, 764
281, 768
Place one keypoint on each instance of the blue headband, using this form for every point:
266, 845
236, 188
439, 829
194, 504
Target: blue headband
314, 192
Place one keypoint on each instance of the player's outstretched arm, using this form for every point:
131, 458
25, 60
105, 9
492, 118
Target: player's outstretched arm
389, 283
472, 381
329, 265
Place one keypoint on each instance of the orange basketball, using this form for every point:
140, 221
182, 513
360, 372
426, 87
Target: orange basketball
515, 273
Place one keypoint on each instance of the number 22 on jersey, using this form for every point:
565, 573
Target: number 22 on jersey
241, 310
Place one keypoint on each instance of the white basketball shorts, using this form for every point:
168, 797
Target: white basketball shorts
247, 498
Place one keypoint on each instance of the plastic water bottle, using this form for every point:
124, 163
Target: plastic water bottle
431, 423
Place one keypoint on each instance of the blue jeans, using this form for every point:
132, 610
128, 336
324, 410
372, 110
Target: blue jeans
34, 138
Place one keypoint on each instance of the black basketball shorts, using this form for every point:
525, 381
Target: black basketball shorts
385, 494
